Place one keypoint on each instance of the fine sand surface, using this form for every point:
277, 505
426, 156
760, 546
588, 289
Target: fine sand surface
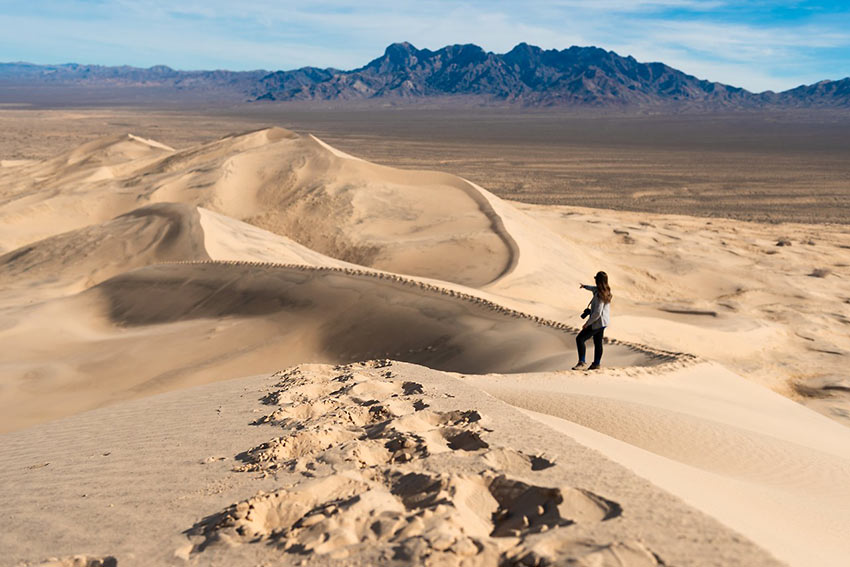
754, 460
140, 284
410, 222
770, 302
350, 465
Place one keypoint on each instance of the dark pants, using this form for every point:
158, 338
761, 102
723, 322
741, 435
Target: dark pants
585, 334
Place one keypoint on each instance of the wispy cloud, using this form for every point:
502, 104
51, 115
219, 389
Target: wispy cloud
759, 45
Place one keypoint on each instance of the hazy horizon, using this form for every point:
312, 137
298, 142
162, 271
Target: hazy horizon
767, 46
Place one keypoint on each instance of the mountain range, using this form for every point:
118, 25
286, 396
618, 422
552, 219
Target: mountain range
526, 75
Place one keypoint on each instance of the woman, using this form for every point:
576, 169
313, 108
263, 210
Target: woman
600, 315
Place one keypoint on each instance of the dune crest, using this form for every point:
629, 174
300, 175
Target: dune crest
416, 222
168, 326
81, 258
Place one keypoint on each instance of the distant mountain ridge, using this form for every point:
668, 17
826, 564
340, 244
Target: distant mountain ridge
218, 83
526, 75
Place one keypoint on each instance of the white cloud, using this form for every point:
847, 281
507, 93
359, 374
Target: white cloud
687, 34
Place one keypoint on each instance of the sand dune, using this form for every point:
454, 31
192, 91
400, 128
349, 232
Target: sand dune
76, 260
397, 472
173, 325
420, 223
778, 473
131, 269
71, 191
177, 322
111, 151
226, 238
777, 294
164, 232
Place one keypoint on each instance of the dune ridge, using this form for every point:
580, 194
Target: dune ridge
479, 196
78, 259
277, 180
666, 357
171, 325
143, 282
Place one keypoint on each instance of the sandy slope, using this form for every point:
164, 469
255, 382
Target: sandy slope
173, 325
357, 465
771, 302
771, 469
421, 223
76, 260
132, 269
169, 327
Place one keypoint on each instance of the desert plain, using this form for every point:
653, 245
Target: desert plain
289, 336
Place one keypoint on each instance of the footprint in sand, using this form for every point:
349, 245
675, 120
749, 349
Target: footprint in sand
450, 518
380, 495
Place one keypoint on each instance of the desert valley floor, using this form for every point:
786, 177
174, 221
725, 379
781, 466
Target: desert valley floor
259, 349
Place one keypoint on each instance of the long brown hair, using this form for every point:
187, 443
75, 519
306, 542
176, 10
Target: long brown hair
603, 290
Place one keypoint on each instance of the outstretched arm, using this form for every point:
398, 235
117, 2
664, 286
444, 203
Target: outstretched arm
588, 287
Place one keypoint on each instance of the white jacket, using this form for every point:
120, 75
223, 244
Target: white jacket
600, 312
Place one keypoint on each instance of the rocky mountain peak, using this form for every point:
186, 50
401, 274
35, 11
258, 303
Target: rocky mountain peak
526, 75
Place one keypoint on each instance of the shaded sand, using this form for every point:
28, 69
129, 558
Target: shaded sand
169, 327
144, 281
399, 473
174, 325
76, 260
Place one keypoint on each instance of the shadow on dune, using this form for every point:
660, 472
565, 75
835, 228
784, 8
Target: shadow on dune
156, 233
351, 316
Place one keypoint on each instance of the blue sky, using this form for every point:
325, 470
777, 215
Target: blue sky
758, 45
